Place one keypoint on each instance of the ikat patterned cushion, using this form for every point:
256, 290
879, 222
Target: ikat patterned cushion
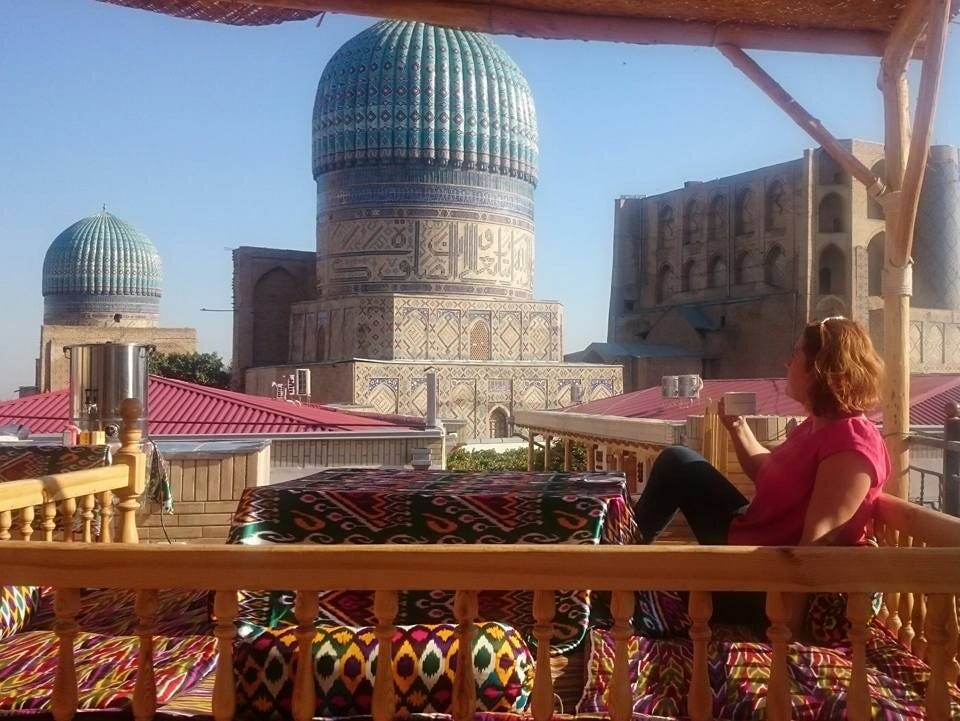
18, 604
424, 663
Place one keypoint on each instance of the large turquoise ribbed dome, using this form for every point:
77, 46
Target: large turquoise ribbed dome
100, 265
403, 92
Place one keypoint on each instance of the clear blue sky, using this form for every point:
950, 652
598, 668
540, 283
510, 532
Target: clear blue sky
199, 135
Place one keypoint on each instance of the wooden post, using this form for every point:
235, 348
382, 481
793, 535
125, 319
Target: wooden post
131, 456
591, 457
464, 685
66, 605
778, 689
700, 698
385, 607
224, 686
145, 688
26, 522
938, 697
305, 607
547, 441
87, 504
858, 696
6, 522
106, 517
543, 612
49, 520
620, 700
530, 450
567, 455
69, 514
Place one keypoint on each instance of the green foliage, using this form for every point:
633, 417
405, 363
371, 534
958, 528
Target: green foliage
515, 459
206, 369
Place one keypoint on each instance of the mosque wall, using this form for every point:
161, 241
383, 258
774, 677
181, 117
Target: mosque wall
475, 398
421, 326
53, 368
760, 252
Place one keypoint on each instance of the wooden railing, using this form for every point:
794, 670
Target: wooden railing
88, 489
925, 572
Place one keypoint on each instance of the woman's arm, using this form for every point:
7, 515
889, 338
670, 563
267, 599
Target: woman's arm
748, 449
842, 483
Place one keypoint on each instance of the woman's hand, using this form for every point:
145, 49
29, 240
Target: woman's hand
731, 423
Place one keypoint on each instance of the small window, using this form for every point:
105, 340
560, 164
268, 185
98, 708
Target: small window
774, 267
717, 272
480, 341
686, 278
875, 261
691, 221
664, 284
717, 219
831, 274
775, 206
741, 268
664, 226
743, 212
831, 214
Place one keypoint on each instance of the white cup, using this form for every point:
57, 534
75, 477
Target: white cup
670, 386
690, 385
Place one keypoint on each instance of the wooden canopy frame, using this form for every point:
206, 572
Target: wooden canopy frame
894, 30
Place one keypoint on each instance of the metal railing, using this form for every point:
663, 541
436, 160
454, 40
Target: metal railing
947, 479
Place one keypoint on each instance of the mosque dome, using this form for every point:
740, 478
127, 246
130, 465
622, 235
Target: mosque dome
97, 268
407, 92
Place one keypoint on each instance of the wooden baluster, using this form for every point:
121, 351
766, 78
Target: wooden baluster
6, 523
26, 522
69, 514
49, 523
858, 697
953, 641
700, 698
919, 644
938, 696
905, 607
464, 685
880, 532
224, 687
106, 516
145, 689
86, 515
131, 456
778, 690
620, 701
66, 605
544, 609
891, 601
385, 607
305, 608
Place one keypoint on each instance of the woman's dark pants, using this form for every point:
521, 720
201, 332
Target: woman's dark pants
682, 480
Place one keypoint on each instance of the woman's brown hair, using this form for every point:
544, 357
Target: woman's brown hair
845, 371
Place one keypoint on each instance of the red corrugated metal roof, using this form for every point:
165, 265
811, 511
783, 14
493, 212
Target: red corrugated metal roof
928, 395
178, 408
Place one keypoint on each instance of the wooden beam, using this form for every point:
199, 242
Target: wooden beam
462, 567
923, 122
807, 122
506, 20
906, 34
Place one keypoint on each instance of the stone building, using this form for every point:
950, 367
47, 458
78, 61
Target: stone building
425, 159
731, 269
101, 283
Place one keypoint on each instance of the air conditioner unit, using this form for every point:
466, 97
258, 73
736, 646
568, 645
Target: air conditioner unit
302, 381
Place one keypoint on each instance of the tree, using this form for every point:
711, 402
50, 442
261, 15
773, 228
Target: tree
515, 459
206, 369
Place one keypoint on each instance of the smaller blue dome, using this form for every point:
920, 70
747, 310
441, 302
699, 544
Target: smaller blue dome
102, 255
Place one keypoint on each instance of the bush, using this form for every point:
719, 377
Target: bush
514, 459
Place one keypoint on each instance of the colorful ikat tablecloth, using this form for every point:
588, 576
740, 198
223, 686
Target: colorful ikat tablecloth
366, 506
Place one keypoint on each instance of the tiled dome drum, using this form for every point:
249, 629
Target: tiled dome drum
425, 157
100, 267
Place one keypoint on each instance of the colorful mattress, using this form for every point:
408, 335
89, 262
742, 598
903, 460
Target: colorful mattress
106, 651
365, 506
